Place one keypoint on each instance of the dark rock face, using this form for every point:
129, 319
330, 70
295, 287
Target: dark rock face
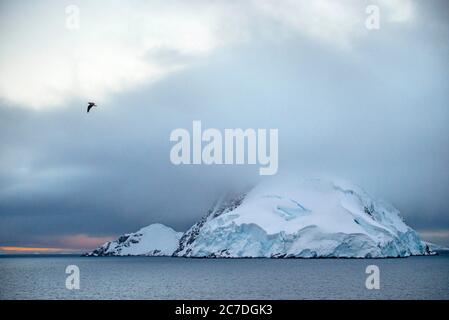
226, 204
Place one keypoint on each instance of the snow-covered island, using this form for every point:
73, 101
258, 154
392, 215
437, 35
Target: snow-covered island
311, 218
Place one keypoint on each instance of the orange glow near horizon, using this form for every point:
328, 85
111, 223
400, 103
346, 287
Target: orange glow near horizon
66, 243
31, 249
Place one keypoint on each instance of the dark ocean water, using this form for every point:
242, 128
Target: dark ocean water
43, 277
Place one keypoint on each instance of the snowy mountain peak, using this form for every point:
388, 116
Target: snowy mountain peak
153, 240
302, 218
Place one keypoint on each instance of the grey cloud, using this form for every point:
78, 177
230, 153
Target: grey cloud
376, 116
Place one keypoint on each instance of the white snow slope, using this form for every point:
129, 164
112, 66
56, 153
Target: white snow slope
153, 240
304, 218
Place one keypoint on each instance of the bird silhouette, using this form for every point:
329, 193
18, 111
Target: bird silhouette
90, 105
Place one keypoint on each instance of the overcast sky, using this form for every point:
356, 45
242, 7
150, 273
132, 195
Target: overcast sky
369, 106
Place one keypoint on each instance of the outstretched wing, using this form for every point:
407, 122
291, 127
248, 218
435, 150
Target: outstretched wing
89, 107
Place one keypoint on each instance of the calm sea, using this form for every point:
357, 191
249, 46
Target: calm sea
43, 277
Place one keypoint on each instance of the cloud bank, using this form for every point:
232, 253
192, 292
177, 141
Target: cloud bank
116, 46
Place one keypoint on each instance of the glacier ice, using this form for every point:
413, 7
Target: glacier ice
307, 218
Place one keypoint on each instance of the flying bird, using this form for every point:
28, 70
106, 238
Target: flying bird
90, 105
